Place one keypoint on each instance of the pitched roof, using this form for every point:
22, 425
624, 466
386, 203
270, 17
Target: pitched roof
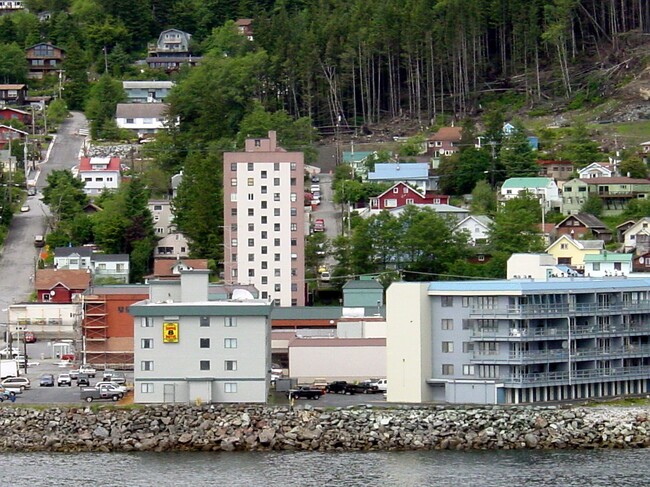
243, 22
163, 267
580, 244
357, 156
533, 182
400, 171
587, 219
13, 109
99, 164
12, 129
141, 110
146, 84
68, 251
71, 279
550, 162
449, 134
111, 257
608, 257
400, 183
12, 87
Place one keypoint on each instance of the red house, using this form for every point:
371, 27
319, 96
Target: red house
60, 285
402, 194
9, 133
8, 113
445, 142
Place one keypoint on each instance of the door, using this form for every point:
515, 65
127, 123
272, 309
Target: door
169, 393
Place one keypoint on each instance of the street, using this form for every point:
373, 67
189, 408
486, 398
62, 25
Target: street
19, 256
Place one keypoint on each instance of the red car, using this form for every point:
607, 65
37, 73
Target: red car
29, 337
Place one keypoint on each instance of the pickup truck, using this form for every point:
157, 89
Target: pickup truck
342, 387
305, 392
90, 394
87, 369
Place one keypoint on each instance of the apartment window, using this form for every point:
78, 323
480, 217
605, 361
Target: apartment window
233, 181
465, 302
276, 302
276, 166
294, 211
276, 181
447, 347
294, 287
146, 343
230, 365
250, 166
251, 257
204, 365
276, 242
293, 166
251, 272
251, 181
251, 212
294, 302
265, 250
146, 322
468, 347
229, 343
294, 227
204, 321
294, 242
146, 387
487, 371
251, 242
564, 246
276, 211
264, 235
230, 387
293, 181
277, 272
294, 197
265, 265
230, 321
265, 280
264, 220
233, 166
276, 257
263, 174
204, 343
251, 197
251, 227
447, 324
276, 196
146, 365
617, 266
234, 242
258, 143
468, 369
596, 266
466, 325
264, 190
447, 301
233, 211
447, 369
265, 295
278, 288
264, 205
294, 271
276, 227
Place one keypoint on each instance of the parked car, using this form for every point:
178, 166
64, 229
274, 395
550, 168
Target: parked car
21, 383
325, 276
7, 394
83, 380
305, 392
24, 208
90, 394
64, 380
319, 383
30, 337
319, 225
111, 386
74, 374
315, 179
46, 380
39, 241
87, 369
340, 387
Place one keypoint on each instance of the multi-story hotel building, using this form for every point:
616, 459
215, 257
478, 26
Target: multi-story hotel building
264, 231
516, 341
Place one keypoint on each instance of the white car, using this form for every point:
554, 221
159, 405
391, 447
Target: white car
111, 386
21, 383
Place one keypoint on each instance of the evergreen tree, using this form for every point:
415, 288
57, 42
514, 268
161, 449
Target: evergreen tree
516, 154
101, 104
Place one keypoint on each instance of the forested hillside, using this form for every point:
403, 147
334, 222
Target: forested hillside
355, 62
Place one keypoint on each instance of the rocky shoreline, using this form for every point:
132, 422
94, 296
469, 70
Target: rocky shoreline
264, 428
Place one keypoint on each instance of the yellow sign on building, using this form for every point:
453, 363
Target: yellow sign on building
170, 332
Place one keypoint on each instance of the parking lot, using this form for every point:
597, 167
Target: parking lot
53, 395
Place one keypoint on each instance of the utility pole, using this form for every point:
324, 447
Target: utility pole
105, 60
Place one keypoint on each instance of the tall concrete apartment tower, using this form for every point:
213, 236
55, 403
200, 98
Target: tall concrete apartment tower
264, 234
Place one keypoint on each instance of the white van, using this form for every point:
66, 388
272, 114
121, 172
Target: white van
39, 241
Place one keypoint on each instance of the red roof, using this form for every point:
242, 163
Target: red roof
449, 134
164, 267
87, 163
549, 162
72, 279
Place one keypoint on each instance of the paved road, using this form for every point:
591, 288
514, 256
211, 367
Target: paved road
18, 259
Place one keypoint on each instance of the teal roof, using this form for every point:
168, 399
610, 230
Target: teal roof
608, 257
527, 183
355, 156
363, 284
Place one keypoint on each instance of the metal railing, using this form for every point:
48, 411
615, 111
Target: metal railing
524, 334
526, 310
560, 354
614, 373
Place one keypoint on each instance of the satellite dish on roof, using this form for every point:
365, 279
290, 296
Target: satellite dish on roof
242, 295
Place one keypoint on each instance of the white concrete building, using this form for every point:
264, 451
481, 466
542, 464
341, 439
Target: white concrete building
99, 174
544, 188
264, 231
45, 320
188, 349
161, 212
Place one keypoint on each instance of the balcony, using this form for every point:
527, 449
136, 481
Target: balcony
558, 355
579, 376
558, 310
559, 333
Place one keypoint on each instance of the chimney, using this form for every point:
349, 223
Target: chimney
272, 140
194, 285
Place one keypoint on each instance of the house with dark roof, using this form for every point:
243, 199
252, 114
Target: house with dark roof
245, 28
401, 194
445, 142
584, 226
637, 236
171, 51
141, 118
43, 59
72, 258
614, 192
59, 285
14, 94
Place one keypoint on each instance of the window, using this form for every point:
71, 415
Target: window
233, 211
265, 250
468, 347
277, 272
294, 287
264, 235
250, 166
251, 197
276, 181
204, 321
146, 343
264, 220
234, 242
276, 196
229, 343
294, 242
264, 205
276, 242
251, 212
233, 181
265, 280
293, 166
129, 120
204, 365
447, 347
487, 371
251, 272
230, 365
251, 257
294, 197
276, 257
564, 246
276, 166
447, 324
293, 181
596, 266
230, 321
146, 387
146, 322
617, 266
230, 387
258, 143
263, 174
294, 211
146, 365
468, 369
447, 369
204, 343
276, 227
265, 264
278, 288
276, 211
294, 227
251, 242
251, 227
264, 190
465, 302
233, 166
447, 301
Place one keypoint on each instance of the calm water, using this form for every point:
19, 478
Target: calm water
611, 468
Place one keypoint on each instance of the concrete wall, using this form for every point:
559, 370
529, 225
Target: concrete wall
46, 320
337, 363
533, 265
408, 342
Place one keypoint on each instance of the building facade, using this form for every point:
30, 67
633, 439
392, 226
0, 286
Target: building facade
43, 59
189, 349
518, 341
147, 91
99, 174
264, 230
614, 192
